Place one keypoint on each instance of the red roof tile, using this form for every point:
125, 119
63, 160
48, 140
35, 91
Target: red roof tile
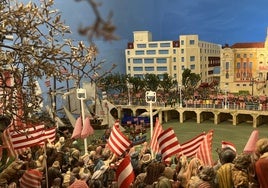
248, 45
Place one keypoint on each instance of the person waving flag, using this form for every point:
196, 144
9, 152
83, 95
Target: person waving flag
118, 142
168, 143
124, 173
157, 131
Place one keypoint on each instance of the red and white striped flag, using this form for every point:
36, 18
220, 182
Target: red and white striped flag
204, 153
227, 144
124, 173
63, 70
50, 134
118, 142
7, 142
47, 82
190, 147
157, 130
27, 137
168, 143
19, 140
87, 129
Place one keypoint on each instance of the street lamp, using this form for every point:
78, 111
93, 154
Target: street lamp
150, 97
252, 85
129, 87
82, 95
180, 86
225, 98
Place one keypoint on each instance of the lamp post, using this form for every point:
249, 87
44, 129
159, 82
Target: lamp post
252, 85
129, 87
150, 97
225, 98
82, 95
180, 96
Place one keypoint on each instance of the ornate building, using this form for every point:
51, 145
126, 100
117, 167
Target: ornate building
244, 67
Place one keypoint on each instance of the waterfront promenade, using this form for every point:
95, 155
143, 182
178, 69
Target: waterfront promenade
254, 113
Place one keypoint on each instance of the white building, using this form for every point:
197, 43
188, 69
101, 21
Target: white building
144, 55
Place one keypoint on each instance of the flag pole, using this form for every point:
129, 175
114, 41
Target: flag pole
81, 95
45, 158
150, 97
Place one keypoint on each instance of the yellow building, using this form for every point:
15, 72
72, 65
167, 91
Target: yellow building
244, 67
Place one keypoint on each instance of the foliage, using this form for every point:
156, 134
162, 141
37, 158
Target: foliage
137, 83
114, 83
167, 83
189, 82
152, 82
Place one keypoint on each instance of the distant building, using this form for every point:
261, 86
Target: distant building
144, 55
244, 67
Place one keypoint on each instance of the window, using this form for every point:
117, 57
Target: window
138, 68
174, 51
137, 61
161, 60
227, 75
244, 65
245, 56
161, 69
182, 51
191, 42
141, 45
138, 75
182, 42
182, 59
139, 52
150, 51
149, 68
238, 65
163, 51
160, 76
192, 58
192, 67
165, 44
227, 65
128, 52
182, 67
250, 65
148, 60
174, 59
238, 55
153, 45
174, 67
128, 68
128, 60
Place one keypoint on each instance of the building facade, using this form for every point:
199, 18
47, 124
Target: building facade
244, 67
144, 55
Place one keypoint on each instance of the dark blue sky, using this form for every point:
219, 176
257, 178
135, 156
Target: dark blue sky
217, 21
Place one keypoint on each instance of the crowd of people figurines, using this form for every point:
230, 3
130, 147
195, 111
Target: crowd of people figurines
63, 165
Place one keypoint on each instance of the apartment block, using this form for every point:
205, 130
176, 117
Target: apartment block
144, 55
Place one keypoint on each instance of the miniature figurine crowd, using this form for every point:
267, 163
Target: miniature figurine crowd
63, 165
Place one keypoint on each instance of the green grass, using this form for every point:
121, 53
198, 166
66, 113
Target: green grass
224, 131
